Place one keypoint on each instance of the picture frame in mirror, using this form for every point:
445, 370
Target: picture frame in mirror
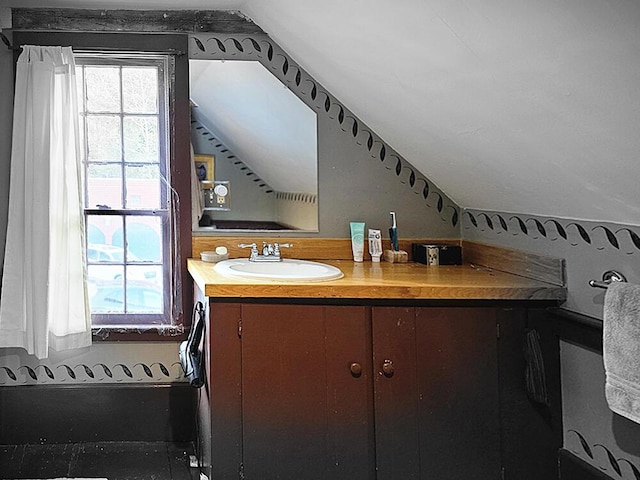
205, 165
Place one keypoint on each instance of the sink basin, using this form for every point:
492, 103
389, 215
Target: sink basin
287, 270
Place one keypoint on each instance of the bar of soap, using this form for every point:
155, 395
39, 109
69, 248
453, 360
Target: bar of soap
393, 256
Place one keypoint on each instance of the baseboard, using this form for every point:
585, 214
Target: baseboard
97, 413
573, 468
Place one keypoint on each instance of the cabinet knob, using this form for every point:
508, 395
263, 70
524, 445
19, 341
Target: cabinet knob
356, 369
387, 368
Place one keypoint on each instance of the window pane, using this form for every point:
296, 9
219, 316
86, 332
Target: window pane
100, 277
144, 238
144, 297
108, 298
101, 230
103, 89
104, 186
149, 274
103, 138
141, 297
145, 289
140, 90
143, 186
140, 139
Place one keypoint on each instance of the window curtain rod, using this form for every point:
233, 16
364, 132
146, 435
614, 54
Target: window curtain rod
178, 53
170, 51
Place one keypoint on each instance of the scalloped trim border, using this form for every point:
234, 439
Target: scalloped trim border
83, 373
614, 463
571, 231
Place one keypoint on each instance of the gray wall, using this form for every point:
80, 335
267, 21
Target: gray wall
589, 249
355, 185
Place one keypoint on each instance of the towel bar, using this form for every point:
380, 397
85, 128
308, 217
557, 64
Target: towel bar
607, 278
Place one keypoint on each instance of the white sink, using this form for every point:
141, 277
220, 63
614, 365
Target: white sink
287, 270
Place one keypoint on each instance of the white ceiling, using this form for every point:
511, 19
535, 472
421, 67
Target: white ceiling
509, 105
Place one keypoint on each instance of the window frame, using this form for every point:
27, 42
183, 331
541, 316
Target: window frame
176, 45
165, 68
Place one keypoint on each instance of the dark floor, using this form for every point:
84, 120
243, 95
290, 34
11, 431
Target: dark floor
111, 460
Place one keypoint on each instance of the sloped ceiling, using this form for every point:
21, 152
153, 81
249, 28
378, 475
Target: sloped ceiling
515, 106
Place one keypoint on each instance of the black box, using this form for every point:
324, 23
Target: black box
447, 254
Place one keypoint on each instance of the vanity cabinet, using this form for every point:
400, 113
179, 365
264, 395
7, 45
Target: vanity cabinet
352, 392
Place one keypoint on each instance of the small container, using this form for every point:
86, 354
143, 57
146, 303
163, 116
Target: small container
220, 254
375, 245
357, 240
433, 255
446, 255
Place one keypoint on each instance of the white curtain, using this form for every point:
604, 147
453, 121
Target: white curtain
44, 302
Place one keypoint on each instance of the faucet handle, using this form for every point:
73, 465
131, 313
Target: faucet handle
254, 250
276, 247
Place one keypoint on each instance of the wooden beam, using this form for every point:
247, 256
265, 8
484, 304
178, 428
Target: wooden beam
187, 21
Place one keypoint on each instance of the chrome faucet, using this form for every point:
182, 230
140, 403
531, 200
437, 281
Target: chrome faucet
254, 250
270, 252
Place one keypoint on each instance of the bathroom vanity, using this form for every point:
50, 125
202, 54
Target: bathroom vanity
395, 371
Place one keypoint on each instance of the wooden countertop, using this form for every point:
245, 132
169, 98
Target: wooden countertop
367, 280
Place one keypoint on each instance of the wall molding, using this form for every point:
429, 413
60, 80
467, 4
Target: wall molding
572, 467
574, 232
619, 466
85, 373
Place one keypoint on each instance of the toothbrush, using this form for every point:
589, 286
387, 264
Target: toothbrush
393, 232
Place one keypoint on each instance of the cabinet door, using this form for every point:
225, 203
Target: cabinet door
436, 393
306, 404
396, 395
219, 399
459, 416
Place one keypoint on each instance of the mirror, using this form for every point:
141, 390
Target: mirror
264, 144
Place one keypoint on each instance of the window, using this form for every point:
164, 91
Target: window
123, 106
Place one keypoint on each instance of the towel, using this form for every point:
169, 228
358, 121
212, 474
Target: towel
535, 376
621, 349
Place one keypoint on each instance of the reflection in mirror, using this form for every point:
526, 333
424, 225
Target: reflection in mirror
264, 142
